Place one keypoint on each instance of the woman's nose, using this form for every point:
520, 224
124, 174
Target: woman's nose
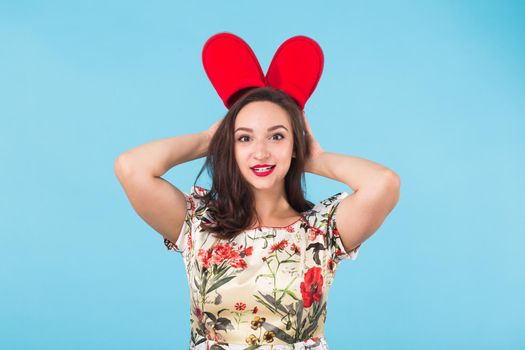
261, 151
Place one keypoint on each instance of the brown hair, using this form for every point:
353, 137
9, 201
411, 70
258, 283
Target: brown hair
230, 200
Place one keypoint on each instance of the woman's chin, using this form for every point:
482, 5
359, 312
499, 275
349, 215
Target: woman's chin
259, 186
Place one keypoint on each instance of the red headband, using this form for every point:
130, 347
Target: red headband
232, 67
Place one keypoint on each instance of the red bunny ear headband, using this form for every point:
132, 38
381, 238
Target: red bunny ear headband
232, 67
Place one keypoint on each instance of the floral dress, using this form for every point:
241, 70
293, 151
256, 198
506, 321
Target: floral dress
264, 289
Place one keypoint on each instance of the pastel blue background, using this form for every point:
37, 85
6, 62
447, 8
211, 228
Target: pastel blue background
431, 89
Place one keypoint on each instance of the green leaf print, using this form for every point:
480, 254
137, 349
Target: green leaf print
314, 320
289, 261
210, 316
202, 333
252, 347
217, 347
263, 275
291, 309
220, 283
197, 285
292, 294
287, 291
220, 273
279, 333
275, 303
204, 284
316, 258
299, 318
223, 324
194, 336
222, 310
316, 247
268, 306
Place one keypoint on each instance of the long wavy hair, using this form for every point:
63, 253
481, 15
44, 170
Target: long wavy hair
230, 201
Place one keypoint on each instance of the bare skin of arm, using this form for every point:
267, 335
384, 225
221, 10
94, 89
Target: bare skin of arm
376, 191
139, 170
163, 206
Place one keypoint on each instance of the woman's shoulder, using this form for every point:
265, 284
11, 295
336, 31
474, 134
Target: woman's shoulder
322, 212
326, 205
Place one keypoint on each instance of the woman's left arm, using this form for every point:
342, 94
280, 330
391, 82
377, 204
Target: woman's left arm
357, 173
376, 191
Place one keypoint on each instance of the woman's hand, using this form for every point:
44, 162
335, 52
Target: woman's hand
212, 129
315, 148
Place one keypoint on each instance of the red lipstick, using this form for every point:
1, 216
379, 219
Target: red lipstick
262, 169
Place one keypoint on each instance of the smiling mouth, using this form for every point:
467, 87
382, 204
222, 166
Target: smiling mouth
263, 169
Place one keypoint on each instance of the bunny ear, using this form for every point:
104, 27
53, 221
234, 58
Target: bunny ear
231, 66
296, 68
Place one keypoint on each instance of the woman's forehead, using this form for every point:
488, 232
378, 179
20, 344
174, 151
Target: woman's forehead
261, 115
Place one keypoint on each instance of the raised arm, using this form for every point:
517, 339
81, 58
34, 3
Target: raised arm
159, 203
376, 191
157, 157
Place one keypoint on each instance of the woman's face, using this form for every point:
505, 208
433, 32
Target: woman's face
263, 136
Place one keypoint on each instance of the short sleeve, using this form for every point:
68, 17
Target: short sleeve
326, 212
194, 210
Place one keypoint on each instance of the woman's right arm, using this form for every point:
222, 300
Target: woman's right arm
157, 157
159, 203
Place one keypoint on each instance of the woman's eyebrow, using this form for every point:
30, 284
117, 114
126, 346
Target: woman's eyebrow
269, 129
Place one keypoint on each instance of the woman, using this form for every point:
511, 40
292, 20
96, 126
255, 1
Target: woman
259, 257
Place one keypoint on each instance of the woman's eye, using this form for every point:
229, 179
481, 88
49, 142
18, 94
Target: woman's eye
241, 139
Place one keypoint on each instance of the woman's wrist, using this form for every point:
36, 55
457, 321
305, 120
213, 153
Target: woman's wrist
206, 137
312, 164
204, 144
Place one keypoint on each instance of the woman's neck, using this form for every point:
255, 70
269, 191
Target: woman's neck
273, 208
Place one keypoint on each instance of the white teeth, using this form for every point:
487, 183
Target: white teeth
262, 169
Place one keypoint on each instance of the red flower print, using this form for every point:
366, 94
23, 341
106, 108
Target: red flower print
222, 252
312, 287
238, 264
248, 251
279, 246
336, 233
198, 313
255, 309
314, 339
192, 204
204, 257
314, 232
189, 242
331, 264
295, 249
240, 306
290, 229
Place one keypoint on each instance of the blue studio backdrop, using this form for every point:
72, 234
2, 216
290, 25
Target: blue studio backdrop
433, 90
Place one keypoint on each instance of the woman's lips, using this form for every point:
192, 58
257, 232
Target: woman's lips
263, 173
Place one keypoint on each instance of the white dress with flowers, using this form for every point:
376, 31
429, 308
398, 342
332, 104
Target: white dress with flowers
267, 288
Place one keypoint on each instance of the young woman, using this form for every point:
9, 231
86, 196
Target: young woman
259, 257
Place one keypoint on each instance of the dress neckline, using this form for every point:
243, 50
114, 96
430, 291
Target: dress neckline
299, 219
